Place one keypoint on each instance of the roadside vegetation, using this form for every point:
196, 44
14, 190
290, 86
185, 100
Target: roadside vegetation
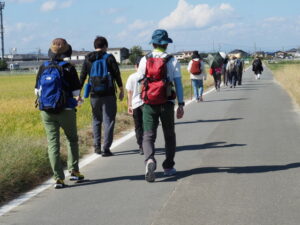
23, 147
288, 75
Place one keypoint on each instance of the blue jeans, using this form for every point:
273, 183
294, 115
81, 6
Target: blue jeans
198, 88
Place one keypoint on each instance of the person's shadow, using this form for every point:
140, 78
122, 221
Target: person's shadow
186, 173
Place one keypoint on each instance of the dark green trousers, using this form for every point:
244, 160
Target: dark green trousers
151, 116
53, 122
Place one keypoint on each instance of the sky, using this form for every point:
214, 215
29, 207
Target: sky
203, 25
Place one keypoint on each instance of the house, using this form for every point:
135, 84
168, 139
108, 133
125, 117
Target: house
259, 54
183, 55
238, 53
119, 53
280, 54
292, 52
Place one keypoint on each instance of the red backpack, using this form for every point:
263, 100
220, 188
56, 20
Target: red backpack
156, 87
196, 67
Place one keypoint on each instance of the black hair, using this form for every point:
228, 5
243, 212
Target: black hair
100, 42
160, 46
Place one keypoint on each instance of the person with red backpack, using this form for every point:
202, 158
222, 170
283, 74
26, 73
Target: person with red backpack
197, 75
159, 71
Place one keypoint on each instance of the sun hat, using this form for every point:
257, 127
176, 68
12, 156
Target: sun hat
160, 37
195, 55
60, 48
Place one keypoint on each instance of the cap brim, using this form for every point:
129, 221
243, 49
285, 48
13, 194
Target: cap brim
162, 42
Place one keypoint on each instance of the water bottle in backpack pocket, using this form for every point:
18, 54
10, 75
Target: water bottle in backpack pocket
52, 94
100, 79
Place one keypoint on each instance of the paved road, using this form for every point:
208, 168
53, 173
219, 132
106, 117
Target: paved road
238, 160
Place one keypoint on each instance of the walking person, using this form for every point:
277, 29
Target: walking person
159, 72
240, 70
257, 67
216, 72
224, 71
135, 105
197, 72
103, 71
58, 88
232, 71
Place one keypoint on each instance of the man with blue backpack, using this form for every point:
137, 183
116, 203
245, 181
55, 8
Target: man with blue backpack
58, 88
103, 71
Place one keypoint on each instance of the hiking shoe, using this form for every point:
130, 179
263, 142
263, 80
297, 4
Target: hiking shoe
150, 168
76, 176
201, 99
141, 151
107, 153
97, 151
59, 184
170, 172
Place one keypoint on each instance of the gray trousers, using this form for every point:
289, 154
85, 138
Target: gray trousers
104, 110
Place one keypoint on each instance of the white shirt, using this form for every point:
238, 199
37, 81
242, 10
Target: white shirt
203, 71
133, 85
173, 66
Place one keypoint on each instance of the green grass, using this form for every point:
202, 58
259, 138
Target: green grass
23, 147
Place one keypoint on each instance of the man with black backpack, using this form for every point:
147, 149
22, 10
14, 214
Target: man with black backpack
257, 67
57, 86
159, 71
103, 71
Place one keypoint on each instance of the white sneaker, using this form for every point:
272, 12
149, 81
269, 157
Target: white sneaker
170, 172
150, 168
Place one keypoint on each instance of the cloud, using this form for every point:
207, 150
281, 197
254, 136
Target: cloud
139, 25
275, 19
195, 16
52, 5
20, 1
120, 20
48, 6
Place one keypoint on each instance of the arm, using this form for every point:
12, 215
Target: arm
85, 70
129, 102
114, 70
36, 80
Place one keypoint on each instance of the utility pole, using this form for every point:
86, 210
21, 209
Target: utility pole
2, 4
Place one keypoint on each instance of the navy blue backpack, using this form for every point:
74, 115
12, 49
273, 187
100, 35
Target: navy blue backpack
100, 78
52, 96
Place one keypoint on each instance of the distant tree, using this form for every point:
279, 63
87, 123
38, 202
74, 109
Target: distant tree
135, 52
3, 64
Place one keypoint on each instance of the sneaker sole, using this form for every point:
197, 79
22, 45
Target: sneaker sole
76, 179
150, 175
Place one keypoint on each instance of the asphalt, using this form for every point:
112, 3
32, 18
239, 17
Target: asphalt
238, 162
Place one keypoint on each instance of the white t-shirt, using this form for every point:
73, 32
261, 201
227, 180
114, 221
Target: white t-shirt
173, 66
133, 85
203, 71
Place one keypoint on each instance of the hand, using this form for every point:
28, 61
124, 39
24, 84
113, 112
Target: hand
121, 95
130, 110
79, 100
180, 112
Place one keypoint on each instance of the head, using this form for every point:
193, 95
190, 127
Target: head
195, 55
59, 49
100, 43
160, 39
137, 62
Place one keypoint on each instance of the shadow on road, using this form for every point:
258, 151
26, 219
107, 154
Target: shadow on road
208, 121
237, 170
187, 173
227, 100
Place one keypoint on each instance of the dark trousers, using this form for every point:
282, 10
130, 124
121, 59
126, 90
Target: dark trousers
232, 78
104, 110
138, 124
217, 79
151, 116
239, 77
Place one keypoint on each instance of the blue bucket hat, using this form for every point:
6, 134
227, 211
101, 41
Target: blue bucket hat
160, 37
